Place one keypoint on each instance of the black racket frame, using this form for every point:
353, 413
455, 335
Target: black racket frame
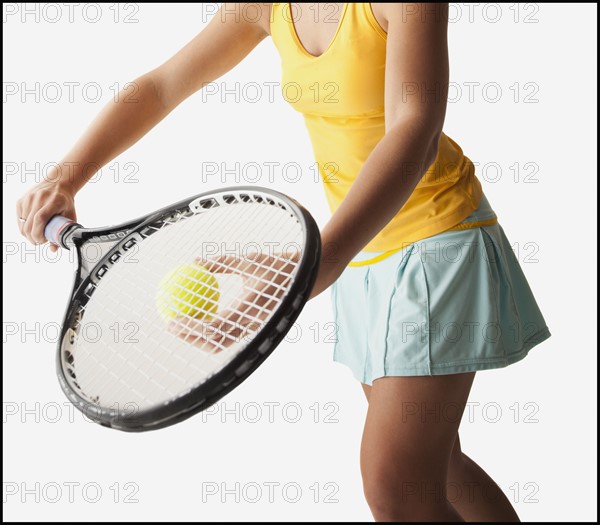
123, 237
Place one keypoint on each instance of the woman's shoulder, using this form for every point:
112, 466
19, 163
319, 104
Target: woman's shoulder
249, 13
258, 13
404, 12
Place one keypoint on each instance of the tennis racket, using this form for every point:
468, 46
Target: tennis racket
171, 311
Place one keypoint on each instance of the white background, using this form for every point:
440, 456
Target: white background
531, 426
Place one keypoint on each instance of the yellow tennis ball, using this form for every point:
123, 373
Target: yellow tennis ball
188, 290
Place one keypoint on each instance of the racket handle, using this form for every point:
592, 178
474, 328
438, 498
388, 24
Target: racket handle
56, 228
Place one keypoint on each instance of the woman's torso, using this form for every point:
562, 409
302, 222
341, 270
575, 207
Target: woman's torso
341, 96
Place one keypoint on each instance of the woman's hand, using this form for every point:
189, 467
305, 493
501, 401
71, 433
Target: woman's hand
40, 204
265, 279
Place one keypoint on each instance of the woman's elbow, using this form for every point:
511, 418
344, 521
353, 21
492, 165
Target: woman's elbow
425, 130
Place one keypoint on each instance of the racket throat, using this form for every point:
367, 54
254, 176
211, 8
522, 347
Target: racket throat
66, 234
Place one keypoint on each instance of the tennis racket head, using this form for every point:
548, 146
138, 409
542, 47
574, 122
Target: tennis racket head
144, 344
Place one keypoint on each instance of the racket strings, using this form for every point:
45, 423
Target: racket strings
245, 321
219, 329
121, 360
120, 369
242, 315
132, 299
233, 269
157, 365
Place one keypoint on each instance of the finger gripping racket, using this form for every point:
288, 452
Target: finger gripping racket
171, 311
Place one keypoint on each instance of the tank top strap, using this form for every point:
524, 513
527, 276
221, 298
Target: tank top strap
356, 18
364, 11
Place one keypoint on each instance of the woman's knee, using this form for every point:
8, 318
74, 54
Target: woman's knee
403, 489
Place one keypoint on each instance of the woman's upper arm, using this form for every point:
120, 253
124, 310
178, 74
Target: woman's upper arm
416, 83
220, 46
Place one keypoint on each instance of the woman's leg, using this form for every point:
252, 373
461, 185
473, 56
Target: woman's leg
473, 493
410, 431
366, 390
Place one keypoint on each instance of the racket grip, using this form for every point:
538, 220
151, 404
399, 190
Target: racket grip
56, 228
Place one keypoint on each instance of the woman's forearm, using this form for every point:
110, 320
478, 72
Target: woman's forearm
228, 38
384, 184
118, 126
222, 44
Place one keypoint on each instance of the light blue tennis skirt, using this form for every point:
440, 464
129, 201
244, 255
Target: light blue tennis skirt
454, 302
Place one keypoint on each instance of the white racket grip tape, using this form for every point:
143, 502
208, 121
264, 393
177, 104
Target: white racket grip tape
55, 228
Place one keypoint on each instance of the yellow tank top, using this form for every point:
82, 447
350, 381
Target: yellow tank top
341, 95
